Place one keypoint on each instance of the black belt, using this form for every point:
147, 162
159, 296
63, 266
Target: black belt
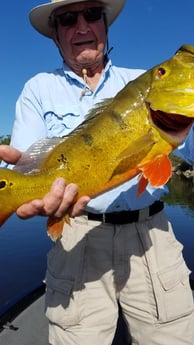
125, 217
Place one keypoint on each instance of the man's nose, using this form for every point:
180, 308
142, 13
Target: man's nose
82, 25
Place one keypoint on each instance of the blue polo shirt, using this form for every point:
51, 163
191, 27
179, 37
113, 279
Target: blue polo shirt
53, 104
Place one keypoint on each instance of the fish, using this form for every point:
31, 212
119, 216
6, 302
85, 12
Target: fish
130, 134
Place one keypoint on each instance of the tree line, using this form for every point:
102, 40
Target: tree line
5, 139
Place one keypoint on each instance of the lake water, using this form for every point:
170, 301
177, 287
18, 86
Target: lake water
24, 244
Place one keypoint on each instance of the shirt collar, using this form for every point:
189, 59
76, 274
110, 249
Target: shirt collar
70, 75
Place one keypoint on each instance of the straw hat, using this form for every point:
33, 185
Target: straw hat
39, 16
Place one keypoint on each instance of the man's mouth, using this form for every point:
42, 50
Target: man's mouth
82, 43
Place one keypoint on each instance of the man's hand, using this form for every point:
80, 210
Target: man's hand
58, 202
9, 154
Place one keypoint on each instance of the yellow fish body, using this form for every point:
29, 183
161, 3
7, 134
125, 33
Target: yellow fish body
131, 134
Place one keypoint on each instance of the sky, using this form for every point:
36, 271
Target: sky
146, 33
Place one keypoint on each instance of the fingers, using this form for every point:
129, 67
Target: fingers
53, 199
64, 202
60, 198
9, 154
33, 208
59, 201
79, 206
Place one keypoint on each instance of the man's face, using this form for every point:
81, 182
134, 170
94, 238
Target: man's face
82, 43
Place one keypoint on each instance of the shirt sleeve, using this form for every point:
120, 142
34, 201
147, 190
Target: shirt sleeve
29, 125
186, 150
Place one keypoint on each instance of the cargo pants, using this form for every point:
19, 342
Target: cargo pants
140, 265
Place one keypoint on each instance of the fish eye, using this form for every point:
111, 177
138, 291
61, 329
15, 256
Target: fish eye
2, 184
161, 71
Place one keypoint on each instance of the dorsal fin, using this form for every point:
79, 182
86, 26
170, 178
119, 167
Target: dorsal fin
97, 109
31, 159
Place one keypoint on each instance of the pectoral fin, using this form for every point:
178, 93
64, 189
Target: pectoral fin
130, 157
55, 226
139, 146
157, 173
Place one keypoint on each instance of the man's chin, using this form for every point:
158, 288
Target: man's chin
86, 57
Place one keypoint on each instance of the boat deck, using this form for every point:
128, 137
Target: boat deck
30, 327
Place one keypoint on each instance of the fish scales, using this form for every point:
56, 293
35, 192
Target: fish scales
97, 161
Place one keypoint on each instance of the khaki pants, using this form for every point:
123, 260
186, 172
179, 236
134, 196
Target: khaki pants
95, 265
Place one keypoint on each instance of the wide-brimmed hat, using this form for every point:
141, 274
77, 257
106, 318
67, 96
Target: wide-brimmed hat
39, 16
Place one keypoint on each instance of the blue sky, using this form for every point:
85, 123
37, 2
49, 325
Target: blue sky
146, 33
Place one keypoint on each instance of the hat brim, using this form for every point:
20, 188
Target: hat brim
39, 16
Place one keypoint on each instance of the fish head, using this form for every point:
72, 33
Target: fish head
171, 94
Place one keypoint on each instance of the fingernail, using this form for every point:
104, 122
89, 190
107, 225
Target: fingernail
72, 188
59, 182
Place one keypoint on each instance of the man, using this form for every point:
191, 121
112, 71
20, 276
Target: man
134, 261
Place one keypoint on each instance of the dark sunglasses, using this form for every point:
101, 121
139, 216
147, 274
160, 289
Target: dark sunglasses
91, 14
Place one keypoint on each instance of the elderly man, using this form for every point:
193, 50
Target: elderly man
97, 264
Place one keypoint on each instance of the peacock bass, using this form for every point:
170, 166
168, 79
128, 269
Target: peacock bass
132, 133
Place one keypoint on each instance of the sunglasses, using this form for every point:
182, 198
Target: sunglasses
91, 14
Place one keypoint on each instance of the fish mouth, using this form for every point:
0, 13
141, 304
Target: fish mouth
172, 124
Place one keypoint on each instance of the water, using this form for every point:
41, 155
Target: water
24, 244
23, 249
179, 206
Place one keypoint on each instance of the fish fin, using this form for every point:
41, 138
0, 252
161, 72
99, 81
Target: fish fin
31, 160
158, 171
140, 146
67, 219
98, 109
142, 184
134, 153
55, 226
93, 114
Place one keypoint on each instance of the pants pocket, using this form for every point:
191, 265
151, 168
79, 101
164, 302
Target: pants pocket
172, 292
61, 302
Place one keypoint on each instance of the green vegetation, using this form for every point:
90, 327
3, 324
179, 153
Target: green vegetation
181, 188
181, 191
5, 139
